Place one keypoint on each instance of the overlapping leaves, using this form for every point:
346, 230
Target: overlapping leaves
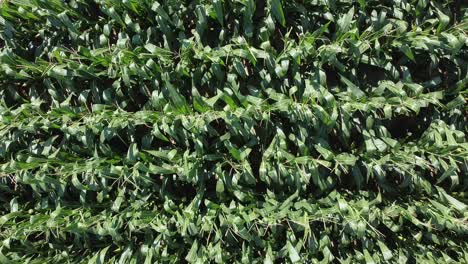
233, 131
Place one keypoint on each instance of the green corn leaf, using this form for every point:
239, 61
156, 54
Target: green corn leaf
277, 11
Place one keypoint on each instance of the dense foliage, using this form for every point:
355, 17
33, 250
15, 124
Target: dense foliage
143, 131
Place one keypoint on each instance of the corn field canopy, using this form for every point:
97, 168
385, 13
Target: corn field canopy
233, 131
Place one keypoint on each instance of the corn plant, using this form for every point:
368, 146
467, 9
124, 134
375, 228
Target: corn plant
233, 131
